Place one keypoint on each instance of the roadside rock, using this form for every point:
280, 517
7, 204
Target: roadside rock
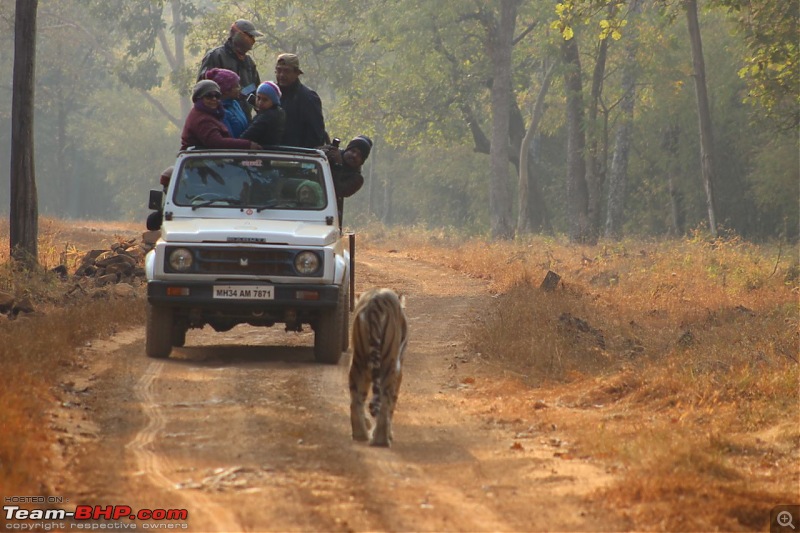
122, 264
6, 302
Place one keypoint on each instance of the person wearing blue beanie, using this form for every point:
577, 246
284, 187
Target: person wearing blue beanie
271, 90
268, 124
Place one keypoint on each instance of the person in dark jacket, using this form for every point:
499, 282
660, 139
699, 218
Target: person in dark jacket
232, 55
203, 127
305, 125
346, 168
267, 126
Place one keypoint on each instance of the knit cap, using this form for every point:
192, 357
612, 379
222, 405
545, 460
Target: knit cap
226, 79
270, 90
363, 144
203, 87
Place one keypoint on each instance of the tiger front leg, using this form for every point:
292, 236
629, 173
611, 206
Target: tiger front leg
358, 397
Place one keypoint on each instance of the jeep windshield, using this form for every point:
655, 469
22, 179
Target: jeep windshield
251, 182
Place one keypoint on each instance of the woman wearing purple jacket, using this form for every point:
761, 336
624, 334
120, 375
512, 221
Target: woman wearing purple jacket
203, 127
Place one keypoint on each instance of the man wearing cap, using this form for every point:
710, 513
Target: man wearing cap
232, 55
305, 125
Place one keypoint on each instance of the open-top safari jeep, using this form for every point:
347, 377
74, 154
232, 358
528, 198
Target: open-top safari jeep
249, 237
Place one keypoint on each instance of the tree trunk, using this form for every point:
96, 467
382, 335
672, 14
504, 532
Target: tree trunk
500, 46
525, 199
179, 25
618, 177
703, 112
371, 189
676, 206
577, 191
617, 183
670, 145
595, 164
24, 214
387, 202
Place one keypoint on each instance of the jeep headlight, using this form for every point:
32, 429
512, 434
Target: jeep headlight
306, 263
180, 259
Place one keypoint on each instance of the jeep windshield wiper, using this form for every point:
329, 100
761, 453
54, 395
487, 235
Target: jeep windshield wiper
281, 204
234, 201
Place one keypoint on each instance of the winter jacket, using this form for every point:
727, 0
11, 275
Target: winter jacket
204, 129
235, 119
224, 56
267, 127
347, 180
305, 125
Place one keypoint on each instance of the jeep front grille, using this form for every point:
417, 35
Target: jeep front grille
237, 261
255, 262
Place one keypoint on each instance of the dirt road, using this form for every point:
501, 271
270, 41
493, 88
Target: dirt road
247, 433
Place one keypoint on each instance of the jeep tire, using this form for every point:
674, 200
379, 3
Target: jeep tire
158, 344
328, 333
179, 330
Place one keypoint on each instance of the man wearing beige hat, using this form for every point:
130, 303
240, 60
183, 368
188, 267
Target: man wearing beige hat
305, 125
232, 55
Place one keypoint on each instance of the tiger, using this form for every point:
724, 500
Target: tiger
380, 335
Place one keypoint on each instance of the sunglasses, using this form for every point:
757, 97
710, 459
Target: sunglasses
215, 96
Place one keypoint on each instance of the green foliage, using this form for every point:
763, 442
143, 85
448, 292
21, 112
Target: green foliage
570, 13
431, 187
769, 30
135, 156
416, 76
775, 183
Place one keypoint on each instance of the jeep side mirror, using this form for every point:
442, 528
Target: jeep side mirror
156, 201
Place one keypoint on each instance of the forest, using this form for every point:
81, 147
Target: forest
590, 118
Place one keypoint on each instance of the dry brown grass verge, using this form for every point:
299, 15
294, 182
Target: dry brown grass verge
674, 362
36, 350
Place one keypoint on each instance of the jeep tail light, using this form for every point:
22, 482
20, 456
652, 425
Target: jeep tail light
177, 291
307, 295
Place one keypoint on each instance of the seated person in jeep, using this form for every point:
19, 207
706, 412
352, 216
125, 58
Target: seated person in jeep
204, 127
268, 125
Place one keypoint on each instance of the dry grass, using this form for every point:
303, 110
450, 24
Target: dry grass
676, 362
35, 351
673, 362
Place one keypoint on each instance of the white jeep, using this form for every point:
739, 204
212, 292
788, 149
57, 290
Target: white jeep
249, 237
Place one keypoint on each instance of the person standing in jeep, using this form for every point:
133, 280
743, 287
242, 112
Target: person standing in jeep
232, 55
305, 125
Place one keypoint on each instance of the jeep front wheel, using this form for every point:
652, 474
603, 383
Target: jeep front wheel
158, 342
328, 333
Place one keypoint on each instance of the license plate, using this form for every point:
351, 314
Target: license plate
244, 292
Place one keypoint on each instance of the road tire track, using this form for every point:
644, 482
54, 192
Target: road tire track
154, 466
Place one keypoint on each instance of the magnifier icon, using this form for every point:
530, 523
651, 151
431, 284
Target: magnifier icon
784, 519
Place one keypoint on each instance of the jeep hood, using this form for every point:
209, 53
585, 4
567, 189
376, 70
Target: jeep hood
294, 233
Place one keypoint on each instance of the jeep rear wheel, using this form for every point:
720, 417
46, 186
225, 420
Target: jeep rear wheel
328, 333
179, 329
158, 342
